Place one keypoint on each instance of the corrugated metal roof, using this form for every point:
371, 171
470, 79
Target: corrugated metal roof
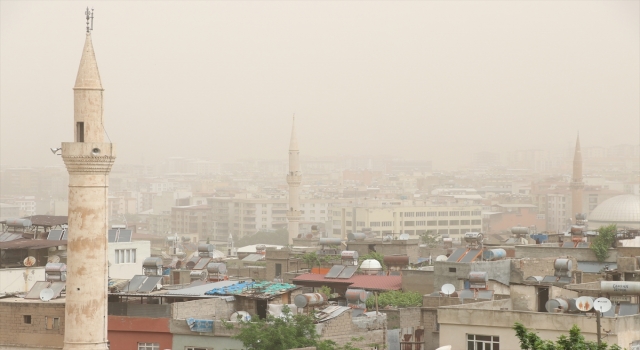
201, 290
31, 244
368, 282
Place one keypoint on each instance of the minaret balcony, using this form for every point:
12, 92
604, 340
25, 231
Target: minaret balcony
293, 215
294, 179
88, 158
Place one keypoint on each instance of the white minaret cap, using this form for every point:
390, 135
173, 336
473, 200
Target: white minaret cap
88, 74
293, 145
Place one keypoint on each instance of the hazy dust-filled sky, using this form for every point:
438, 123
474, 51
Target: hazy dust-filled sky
420, 80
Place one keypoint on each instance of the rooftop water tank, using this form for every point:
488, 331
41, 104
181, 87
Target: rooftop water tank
371, 267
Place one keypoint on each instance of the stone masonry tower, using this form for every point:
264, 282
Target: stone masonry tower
88, 160
577, 185
294, 178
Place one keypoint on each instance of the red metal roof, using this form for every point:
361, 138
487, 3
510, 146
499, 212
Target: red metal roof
368, 282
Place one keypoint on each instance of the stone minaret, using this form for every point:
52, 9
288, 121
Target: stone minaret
576, 182
294, 178
88, 160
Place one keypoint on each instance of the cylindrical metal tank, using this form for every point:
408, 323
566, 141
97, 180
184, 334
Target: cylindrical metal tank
198, 275
620, 287
557, 303
534, 279
329, 241
577, 230
18, 222
214, 268
309, 299
240, 316
356, 296
55, 272
152, 263
371, 267
494, 254
55, 267
478, 277
473, 237
357, 236
349, 255
261, 248
520, 230
396, 260
562, 264
205, 248
572, 305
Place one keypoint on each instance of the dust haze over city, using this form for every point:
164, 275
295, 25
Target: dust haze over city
415, 175
428, 81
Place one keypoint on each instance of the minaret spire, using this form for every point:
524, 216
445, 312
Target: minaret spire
88, 160
294, 178
577, 185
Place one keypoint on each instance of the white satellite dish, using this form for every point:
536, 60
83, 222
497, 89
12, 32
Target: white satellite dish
446, 347
404, 237
441, 258
46, 294
602, 304
448, 289
53, 259
584, 304
29, 261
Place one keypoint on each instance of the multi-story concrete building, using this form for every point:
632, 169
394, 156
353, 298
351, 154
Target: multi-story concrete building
193, 221
454, 220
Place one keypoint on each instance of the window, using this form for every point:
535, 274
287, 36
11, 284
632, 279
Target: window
443, 213
452, 269
196, 348
360, 223
454, 213
443, 223
420, 223
278, 270
432, 223
80, 132
52, 322
349, 214
476, 213
148, 346
374, 224
125, 256
336, 222
336, 213
465, 222
409, 215
386, 223
409, 223
421, 213
348, 223
476, 222
432, 213
454, 222
482, 342
27, 319
465, 213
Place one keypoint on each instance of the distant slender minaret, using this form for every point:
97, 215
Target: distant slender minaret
88, 161
294, 178
576, 182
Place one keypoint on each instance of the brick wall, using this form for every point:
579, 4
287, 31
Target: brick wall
403, 318
204, 308
522, 269
361, 332
15, 332
548, 251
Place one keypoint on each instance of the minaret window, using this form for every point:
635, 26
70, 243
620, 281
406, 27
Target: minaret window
80, 132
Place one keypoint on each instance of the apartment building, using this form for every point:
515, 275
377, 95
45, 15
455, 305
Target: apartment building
245, 216
454, 220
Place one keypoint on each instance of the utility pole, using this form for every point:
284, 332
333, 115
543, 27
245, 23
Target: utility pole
598, 325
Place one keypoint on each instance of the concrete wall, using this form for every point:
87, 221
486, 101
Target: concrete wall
499, 270
486, 319
16, 334
128, 270
20, 279
181, 341
521, 269
548, 251
409, 247
216, 308
420, 281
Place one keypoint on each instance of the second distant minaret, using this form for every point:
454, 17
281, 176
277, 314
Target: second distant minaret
576, 182
294, 178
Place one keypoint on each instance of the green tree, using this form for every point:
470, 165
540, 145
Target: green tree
282, 333
575, 341
396, 298
429, 238
603, 241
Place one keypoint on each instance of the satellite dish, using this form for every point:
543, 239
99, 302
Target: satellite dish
602, 304
441, 258
404, 237
53, 259
29, 261
584, 304
446, 347
448, 289
46, 294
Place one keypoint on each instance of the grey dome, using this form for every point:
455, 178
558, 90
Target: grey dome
623, 210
